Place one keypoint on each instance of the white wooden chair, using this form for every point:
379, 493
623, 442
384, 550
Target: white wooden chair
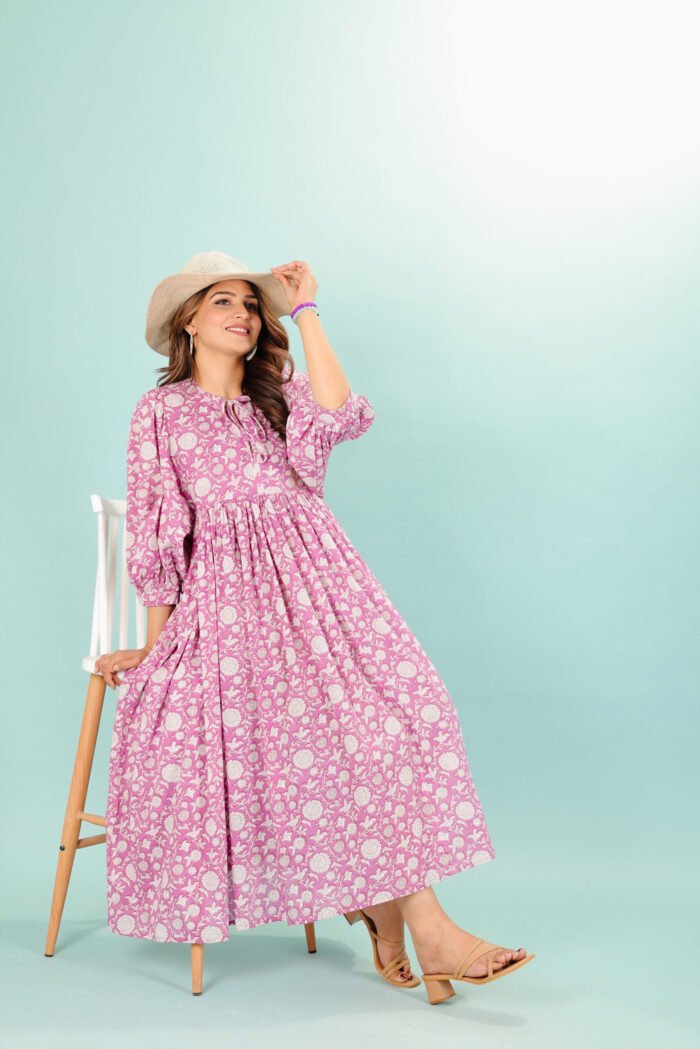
111, 517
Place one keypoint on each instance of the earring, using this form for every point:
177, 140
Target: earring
249, 355
191, 346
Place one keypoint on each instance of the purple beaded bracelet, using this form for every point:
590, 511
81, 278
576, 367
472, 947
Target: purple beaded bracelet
303, 306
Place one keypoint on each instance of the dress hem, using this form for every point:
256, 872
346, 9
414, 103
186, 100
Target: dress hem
491, 855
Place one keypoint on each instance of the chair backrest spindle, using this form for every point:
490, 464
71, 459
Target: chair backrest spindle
111, 554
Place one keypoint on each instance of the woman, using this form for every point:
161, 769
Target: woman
283, 748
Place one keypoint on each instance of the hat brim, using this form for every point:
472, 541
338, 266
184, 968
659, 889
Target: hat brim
172, 291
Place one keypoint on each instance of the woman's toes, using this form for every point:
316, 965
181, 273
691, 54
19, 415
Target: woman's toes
502, 959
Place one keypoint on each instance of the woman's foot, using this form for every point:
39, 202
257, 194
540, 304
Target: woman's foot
390, 924
441, 946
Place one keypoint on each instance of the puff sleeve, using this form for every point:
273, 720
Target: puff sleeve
158, 518
312, 430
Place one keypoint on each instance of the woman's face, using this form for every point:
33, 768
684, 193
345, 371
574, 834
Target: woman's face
226, 305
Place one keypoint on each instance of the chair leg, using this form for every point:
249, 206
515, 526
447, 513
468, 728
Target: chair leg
197, 953
310, 931
76, 805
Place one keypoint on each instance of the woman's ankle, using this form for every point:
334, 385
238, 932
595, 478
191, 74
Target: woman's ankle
423, 902
389, 907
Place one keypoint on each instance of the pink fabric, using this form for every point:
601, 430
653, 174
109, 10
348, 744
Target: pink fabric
286, 751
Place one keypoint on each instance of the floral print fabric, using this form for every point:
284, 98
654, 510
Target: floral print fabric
286, 750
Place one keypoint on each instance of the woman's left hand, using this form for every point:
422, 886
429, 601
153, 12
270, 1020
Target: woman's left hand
124, 659
298, 281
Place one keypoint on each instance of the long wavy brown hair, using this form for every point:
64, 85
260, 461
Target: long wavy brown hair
262, 380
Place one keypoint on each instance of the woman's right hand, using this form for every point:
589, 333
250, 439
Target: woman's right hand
123, 659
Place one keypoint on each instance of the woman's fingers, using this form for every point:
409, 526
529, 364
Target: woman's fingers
112, 663
293, 269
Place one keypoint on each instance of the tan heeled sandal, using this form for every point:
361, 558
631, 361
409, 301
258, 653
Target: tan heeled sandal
438, 986
395, 964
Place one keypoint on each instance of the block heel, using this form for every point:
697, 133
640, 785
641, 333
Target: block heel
437, 990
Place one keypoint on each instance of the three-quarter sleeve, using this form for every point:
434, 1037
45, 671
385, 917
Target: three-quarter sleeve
158, 518
312, 430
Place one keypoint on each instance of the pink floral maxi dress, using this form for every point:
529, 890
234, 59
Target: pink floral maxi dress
286, 750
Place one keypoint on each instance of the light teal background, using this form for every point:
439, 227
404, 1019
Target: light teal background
501, 208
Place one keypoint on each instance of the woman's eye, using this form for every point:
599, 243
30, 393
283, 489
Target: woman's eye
252, 303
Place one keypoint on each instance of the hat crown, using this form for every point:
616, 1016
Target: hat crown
214, 262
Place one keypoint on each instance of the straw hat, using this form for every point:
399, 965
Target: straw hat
203, 269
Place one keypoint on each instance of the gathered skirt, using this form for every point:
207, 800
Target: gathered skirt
286, 750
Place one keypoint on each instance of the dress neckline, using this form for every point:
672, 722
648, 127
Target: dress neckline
216, 396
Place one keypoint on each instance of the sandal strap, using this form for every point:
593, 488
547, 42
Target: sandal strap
372, 929
474, 952
395, 964
389, 943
